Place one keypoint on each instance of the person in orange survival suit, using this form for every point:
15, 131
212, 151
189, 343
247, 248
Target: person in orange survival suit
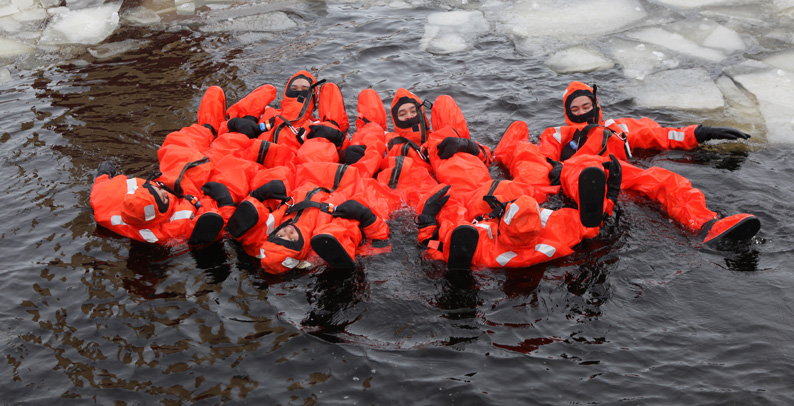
294, 125
587, 135
149, 211
332, 207
516, 233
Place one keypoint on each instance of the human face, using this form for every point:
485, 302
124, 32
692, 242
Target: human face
299, 85
161, 193
581, 105
289, 233
406, 112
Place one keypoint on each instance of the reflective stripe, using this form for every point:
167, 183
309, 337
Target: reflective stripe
505, 257
271, 223
148, 235
544, 216
557, 134
624, 127
261, 253
675, 135
487, 227
149, 212
546, 250
508, 217
132, 186
609, 122
290, 262
116, 220
182, 215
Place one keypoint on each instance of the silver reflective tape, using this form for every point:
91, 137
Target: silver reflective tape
487, 227
510, 213
271, 223
148, 235
544, 216
505, 257
148, 212
116, 220
132, 186
182, 215
546, 250
557, 134
675, 135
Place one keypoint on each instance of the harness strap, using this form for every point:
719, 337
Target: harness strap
263, 148
395, 172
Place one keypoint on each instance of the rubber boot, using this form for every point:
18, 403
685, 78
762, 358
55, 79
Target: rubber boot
212, 111
243, 219
739, 227
254, 103
206, 230
332, 252
462, 245
592, 189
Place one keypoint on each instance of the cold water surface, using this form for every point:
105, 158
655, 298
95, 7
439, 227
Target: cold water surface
641, 314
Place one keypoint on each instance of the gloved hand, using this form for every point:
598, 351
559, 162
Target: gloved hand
354, 210
353, 154
106, 168
432, 206
451, 145
244, 125
615, 177
274, 189
556, 171
704, 133
218, 192
329, 133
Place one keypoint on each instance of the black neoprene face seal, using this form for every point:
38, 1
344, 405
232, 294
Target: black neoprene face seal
416, 120
297, 93
293, 245
590, 116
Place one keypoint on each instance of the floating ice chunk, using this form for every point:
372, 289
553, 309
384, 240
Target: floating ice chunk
640, 60
31, 14
773, 89
684, 89
105, 51
572, 21
783, 5
5, 75
10, 47
141, 16
694, 3
452, 31
270, 22
677, 43
578, 59
725, 39
8, 10
85, 26
784, 60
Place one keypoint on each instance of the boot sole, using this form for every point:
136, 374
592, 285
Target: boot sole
332, 252
592, 183
743, 230
207, 228
462, 245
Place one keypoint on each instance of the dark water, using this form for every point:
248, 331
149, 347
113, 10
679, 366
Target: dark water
640, 315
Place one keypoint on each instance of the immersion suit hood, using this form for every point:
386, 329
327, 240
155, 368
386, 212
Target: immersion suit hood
298, 105
413, 125
520, 224
143, 206
282, 255
574, 90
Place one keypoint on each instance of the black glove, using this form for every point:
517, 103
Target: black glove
106, 168
244, 126
556, 171
274, 189
354, 210
615, 177
432, 206
704, 133
451, 145
353, 154
331, 134
218, 192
